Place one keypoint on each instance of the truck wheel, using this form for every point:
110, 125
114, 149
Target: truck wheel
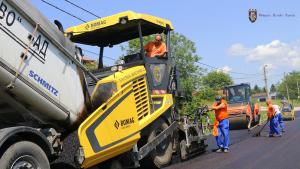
24, 155
162, 155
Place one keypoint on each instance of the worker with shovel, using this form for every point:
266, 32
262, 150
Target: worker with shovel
221, 125
273, 120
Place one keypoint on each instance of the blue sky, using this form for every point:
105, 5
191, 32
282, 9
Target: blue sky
223, 34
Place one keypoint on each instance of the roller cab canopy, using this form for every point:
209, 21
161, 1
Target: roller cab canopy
117, 28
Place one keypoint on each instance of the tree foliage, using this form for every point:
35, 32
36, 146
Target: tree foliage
196, 88
256, 89
217, 80
184, 55
273, 89
91, 65
291, 82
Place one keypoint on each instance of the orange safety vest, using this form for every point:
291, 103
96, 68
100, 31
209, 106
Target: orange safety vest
222, 113
256, 108
271, 111
153, 50
215, 128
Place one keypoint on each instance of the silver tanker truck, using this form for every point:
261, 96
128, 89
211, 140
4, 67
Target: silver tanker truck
43, 90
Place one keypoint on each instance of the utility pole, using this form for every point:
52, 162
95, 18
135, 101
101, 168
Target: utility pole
287, 88
266, 82
298, 89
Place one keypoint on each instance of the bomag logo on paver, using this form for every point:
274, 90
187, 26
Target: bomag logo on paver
124, 123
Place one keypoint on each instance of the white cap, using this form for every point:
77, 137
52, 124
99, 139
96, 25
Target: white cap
276, 108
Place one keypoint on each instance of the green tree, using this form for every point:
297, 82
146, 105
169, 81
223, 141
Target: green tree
272, 89
291, 82
184, 55
256, 89
91, 65
217, 80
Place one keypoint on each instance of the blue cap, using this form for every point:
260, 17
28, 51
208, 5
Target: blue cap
218, 98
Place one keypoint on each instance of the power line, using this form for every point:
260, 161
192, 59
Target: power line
63, 10
94, 53
207, 65
232, 72
253, 77
240, 78
82, 9
233, 78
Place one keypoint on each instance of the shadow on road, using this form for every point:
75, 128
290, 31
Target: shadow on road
237, 124
62, 166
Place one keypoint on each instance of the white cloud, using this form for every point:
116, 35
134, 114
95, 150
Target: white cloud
225, 69
276, 53
238, 49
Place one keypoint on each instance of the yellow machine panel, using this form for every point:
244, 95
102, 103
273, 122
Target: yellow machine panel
166, 101
111, 130
114, 128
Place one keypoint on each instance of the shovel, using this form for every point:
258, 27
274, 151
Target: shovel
257, 130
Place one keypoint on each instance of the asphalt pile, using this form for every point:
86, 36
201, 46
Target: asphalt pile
66, 159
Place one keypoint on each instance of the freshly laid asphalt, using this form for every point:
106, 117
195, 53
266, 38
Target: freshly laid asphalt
247, 152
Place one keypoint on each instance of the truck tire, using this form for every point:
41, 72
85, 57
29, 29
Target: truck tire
24, 155
162, 155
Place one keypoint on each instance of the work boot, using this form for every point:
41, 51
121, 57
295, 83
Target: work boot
271, 135
226, 150
283, 131
220, 150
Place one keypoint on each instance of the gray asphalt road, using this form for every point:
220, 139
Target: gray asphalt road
248, 152
245, 152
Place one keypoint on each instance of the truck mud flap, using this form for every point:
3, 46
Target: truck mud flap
146, 149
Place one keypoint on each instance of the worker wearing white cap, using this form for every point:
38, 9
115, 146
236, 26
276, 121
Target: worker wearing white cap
278, 114
273, 120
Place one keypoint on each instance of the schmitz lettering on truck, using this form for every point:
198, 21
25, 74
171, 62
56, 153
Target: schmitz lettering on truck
8, 18
43, 83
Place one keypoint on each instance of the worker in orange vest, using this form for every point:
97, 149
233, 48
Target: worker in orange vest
156, 47
273, 120
221, 125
